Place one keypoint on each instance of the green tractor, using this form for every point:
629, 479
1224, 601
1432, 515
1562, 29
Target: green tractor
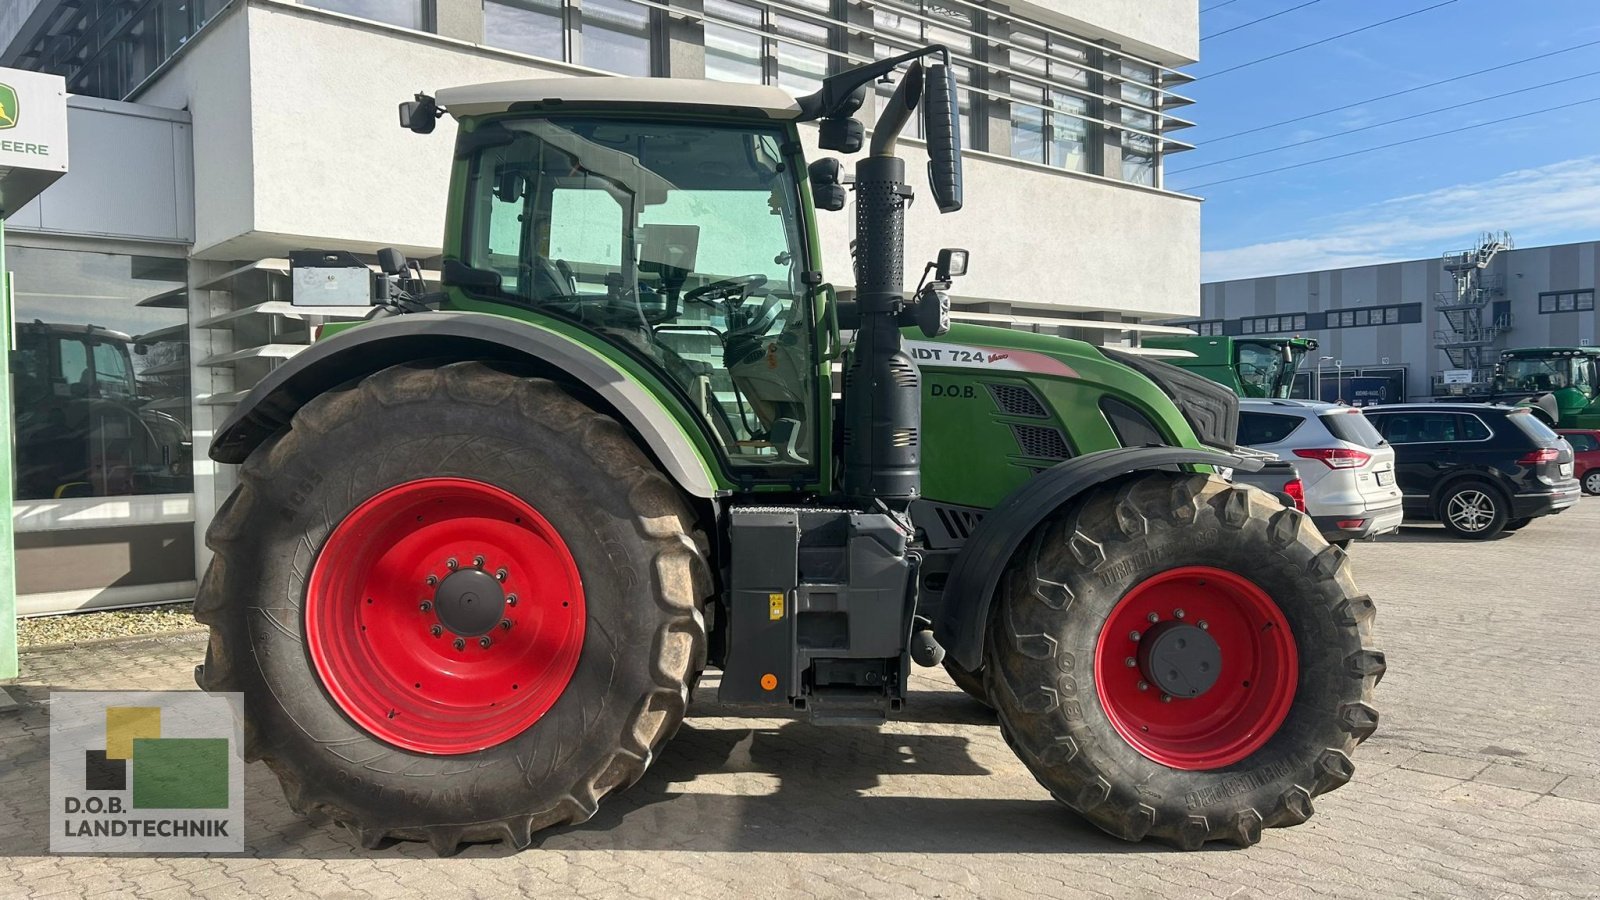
1561, 384
485, 545
1250, 367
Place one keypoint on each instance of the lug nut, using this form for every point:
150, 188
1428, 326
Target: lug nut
511, 599
1133, 635
1166, 698
436, 630
500, 574
1177, 614
484, 642
1130, 662
1144, 685
477, 562
1203, 624
431, 580
461, 644
1153, 618
506, 624
451, 564
424, 606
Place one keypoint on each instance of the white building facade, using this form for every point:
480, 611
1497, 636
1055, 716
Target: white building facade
212, 137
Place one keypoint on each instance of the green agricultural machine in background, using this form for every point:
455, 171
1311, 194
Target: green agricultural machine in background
1561, 384
485, 545
1250, 367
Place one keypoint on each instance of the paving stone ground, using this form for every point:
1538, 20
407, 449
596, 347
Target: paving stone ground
1482, 781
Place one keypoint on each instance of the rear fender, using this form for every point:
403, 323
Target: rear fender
969, 591
454, 336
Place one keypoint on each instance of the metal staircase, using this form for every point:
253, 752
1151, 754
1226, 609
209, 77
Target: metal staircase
1471, 337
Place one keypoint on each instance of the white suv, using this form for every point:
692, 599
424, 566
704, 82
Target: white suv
1346, 467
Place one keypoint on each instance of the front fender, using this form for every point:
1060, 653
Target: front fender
970, 589
450, 336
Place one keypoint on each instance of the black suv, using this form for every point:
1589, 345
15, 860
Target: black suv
1477, 469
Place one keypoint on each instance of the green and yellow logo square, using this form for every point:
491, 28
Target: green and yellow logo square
10, 110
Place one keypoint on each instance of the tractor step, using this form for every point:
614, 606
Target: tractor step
844, 706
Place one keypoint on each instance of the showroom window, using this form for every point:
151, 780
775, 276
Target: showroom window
613, 35
100, 375
1139, 151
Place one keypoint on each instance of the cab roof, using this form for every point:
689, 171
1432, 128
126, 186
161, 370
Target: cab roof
657, 94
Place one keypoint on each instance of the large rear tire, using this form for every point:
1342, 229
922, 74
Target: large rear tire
347, 598
1256, 609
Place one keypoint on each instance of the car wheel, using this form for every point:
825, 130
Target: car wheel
1473, 510
1591, 482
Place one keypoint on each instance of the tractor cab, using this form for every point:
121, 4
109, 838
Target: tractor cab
1562, 384
685, 245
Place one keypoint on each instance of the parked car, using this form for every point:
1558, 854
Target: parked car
1346, 468
1586, 456
1478, 469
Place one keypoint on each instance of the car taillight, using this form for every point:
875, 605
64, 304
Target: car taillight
1296, 492
1337, 457
1542, 455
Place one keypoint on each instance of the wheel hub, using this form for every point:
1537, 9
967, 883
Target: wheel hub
1180, 659
470, 602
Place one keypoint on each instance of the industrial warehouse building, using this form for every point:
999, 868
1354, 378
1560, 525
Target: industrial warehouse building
212, 137
1433, 327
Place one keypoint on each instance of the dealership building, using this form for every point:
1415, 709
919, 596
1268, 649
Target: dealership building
1430, 327
212, 137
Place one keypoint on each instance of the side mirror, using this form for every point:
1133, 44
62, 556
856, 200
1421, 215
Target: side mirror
509, 186
933, 313
391, 261
952, 264
827, 184
941, 118
420, 115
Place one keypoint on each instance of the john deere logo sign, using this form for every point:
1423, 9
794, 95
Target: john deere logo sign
8, 106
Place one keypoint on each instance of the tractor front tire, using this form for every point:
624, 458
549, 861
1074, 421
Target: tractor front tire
1181, 659
462, 606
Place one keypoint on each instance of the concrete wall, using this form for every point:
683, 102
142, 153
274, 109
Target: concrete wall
308, 152
1526, 274
1164, 31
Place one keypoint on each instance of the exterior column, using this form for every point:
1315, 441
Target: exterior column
459, 19
682, 47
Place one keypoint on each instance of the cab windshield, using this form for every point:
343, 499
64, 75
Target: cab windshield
1264, 369
1550, 373
680, 243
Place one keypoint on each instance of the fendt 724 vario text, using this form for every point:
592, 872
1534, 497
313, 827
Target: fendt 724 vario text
485, 544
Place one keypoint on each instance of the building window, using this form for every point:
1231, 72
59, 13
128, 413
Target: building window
1049, 121
404, 13
756, 45
100, 380
534, 27
1566, 301
1139, 151
612, 35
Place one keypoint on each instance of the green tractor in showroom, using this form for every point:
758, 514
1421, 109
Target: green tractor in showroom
484, 545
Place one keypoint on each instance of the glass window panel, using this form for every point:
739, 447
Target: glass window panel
1034, 47
100, 385
1027, 124
616, 37
1069, 135
1547, 303
1567, 302
525, 26
800, 68
732, 54
404, 13
1391, 316
1586, 300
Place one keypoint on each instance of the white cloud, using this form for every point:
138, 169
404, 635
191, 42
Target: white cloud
1537, 206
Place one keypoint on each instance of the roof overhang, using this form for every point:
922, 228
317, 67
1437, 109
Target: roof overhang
762, 101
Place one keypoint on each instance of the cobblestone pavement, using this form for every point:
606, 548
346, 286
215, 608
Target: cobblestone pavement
1482, 781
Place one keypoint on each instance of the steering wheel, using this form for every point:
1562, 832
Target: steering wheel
725, 288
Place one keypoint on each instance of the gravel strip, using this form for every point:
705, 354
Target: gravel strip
77, 628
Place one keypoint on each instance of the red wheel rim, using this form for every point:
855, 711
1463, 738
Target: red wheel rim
393, 631
1254, 688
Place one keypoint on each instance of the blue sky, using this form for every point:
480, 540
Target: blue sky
1537, 177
